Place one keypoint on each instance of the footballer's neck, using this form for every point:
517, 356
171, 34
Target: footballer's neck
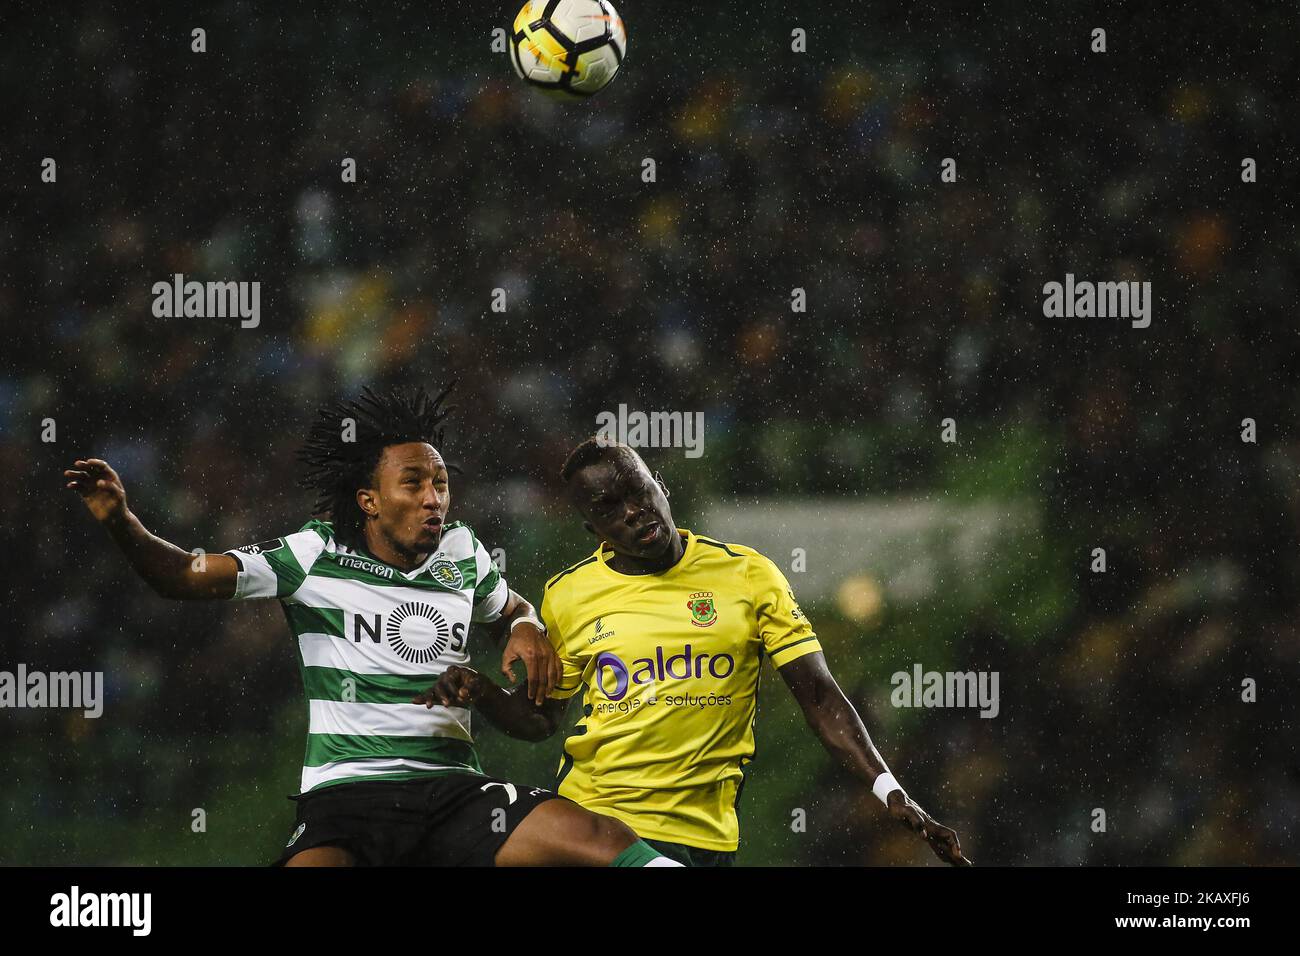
393, 555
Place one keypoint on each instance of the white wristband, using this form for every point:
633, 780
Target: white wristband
531, 620
885, 785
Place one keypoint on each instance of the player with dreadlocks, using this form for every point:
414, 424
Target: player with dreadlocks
380, 592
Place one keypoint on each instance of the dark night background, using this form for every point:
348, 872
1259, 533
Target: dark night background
775, 170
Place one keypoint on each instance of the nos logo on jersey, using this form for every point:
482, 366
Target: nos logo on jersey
416, 632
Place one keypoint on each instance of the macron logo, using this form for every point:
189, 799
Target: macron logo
77, 909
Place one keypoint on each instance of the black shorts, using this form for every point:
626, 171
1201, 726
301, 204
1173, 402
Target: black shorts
454, 819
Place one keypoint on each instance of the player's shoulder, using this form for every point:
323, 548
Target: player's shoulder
314, 535
292, 553
749, 563
324, 530
573, 573
730, 549
310, 541
458, 540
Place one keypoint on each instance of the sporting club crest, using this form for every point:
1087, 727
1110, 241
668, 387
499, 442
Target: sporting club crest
446, 572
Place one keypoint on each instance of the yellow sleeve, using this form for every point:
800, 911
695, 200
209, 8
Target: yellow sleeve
571, 668
782, 626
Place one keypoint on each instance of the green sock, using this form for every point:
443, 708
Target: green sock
639, 853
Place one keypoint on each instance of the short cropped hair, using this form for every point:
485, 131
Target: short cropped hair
592, 451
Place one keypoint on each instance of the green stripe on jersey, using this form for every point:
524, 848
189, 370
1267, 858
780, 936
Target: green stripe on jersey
469, 569
323, 529
487, 585
289, 574
444, 751
326, 683
314, 620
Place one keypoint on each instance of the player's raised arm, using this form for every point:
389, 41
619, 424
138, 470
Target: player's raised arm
171, 571
792, 645
842, 732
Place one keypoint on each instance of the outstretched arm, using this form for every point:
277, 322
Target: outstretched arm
171, 571
842, 732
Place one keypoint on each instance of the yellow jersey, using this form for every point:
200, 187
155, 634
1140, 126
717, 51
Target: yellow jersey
670, 663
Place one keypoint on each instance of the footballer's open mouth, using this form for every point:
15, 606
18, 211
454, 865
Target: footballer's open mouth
650, 533
433, 524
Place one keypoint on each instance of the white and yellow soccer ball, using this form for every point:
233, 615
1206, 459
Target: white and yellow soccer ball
568, 49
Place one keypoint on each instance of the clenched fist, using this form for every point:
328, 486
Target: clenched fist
457, 687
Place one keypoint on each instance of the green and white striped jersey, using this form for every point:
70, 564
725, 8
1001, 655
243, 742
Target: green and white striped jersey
371, 637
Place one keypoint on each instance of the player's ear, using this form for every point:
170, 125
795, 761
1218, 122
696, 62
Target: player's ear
662, 487
367, 503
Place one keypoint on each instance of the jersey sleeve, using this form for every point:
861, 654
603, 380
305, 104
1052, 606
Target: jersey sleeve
492, 592
570, 666
277, 568
784, 629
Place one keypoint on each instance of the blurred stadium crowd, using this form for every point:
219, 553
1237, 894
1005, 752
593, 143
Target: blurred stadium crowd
771, 173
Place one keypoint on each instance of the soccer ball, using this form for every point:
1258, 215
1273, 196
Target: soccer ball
568, 49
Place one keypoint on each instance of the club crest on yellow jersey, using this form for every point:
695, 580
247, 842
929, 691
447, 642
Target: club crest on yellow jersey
703, 613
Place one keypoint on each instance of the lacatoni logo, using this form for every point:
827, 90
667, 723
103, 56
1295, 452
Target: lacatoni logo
614, 678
